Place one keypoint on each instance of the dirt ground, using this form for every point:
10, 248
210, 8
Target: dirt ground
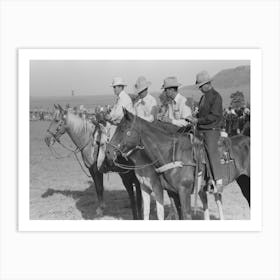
59, 190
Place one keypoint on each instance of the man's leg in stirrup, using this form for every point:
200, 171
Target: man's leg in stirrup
211, 145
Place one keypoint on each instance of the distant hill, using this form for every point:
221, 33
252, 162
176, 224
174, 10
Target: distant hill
225, 82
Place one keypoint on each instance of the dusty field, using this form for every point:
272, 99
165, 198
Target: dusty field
60, 190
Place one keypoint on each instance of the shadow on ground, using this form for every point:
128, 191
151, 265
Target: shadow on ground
117, 204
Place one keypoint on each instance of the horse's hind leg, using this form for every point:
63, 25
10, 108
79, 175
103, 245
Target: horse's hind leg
204, 199
244, 184
218, 199
158, 192
98, 182
175, 206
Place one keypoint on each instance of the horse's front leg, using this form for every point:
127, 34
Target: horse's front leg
204, 199
158, 191
128, 184
139, 204
146, 203
98, 182
175, 206
185, 200
218, 199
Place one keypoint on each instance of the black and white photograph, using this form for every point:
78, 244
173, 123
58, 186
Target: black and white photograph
140, 139
152, 133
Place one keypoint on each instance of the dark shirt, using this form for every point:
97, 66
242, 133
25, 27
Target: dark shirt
210, 111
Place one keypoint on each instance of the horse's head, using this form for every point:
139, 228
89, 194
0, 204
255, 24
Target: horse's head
57, 126
126, 138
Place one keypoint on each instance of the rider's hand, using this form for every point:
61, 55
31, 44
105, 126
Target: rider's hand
191, 119
180, 123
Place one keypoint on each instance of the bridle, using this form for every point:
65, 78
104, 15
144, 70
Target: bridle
59, 131
134, 149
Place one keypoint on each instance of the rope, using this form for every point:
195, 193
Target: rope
173, 153
76, 156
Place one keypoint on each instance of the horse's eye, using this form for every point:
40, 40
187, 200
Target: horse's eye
128, 133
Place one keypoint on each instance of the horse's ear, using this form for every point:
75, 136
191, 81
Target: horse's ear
127, 114
60, 108
55, 106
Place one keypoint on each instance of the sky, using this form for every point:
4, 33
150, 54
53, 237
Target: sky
94, 77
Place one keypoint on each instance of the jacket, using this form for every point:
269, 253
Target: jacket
210, 114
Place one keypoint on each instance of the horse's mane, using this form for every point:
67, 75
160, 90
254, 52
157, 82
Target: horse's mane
166, 126
167, 129
78, 124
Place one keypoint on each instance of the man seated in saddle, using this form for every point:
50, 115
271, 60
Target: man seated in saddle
123, 101
177, 110
209, 122
145, 105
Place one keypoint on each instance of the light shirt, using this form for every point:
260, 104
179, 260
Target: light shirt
123, 101
178, 109
143, 107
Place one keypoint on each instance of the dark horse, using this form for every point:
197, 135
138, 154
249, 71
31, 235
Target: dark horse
86, 136
172, 155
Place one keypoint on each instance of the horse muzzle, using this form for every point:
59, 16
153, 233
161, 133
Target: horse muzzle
49, 140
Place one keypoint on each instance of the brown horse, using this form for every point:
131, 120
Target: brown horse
86, 137
172, 155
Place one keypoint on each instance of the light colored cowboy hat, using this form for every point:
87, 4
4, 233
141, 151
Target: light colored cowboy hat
141, 84
202, 78
170, 82
118, 81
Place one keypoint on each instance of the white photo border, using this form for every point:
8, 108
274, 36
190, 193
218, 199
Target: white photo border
24, 58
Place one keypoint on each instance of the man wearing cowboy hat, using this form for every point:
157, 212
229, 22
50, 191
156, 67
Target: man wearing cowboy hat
123, 100
209, 122
145, 105
178, 110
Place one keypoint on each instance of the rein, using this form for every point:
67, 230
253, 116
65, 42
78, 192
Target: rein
135, 167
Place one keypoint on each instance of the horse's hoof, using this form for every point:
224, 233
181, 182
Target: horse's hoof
99, 212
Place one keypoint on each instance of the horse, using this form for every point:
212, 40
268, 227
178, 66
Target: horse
149, 180
172, 155
86, 137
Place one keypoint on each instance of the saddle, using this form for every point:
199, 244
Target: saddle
199, 152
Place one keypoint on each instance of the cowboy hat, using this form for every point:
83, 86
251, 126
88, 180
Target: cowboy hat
170, 82
118, 81
141, 84
202, 78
